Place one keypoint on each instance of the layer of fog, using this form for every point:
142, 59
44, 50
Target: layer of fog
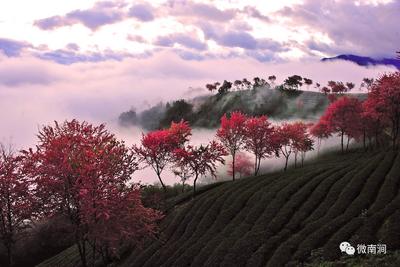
35, 92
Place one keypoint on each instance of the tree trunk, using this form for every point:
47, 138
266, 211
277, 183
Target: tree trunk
9, 255
94, 252
348, 141
255, 167
258, 166
364, 140
287, 158
82, 251
194, 186
233, 167
159, 177
342, 143
377, 140
370, 143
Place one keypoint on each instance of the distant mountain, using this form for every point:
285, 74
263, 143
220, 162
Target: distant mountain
365, 61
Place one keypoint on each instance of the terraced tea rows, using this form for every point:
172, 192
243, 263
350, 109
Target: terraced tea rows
279, 219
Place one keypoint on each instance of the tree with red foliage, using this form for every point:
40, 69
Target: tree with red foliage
114, 215
342, 116
325, 90
373, 123
157, 147
212, 87
260, 140
200, 160
320, 131
16, 200
301, 140
349, 86
286, 133
340, 88
232, 134
243, 165
80, 171
332, 98
385, 98
303, 146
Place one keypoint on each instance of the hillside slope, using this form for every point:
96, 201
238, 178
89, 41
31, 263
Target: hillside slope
279, 219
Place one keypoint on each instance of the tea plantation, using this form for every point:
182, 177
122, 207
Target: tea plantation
293, 218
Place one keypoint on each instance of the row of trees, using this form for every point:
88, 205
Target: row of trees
293, 82
169, 148
359, 120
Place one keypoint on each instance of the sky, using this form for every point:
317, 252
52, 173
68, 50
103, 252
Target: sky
93, 60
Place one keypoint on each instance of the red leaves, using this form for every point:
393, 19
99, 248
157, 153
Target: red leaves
260, 139
232, 133
385, 99
81, 171
293, 137
342, 116
157, 147
200, 160
243, 165
17, 201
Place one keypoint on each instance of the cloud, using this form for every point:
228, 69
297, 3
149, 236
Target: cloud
362, 29
111, 4
72, 46
103, 13
93, 18
253, 12
238, 39
51, 23
194, 10
142, 11
165, 41
68, 57
12, 48
242, 26
181, 38
136, 38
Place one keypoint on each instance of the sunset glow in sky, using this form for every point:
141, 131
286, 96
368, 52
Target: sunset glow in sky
92, 60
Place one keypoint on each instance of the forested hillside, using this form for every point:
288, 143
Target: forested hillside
206, 111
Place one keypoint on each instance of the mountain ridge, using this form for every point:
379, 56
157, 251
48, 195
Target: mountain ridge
366, 61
